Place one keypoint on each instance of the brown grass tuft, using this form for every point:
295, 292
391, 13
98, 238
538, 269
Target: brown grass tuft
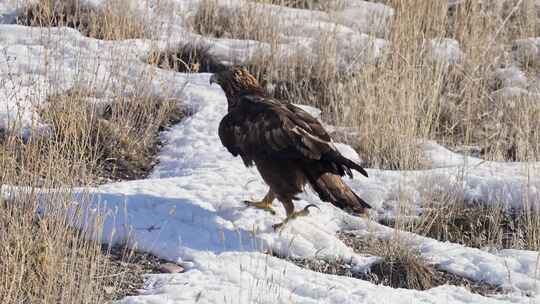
35, 253
122, 139
45, 259
116, 20
448, 216
248, 22
402, 266
324, 5
100, 142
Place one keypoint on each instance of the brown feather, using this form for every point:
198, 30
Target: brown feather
237, 82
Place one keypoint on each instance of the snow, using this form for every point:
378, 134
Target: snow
526, 50
366, 17
190, 210
445, 50
256, 278
513, 96
515, 87
8, 11
511, 77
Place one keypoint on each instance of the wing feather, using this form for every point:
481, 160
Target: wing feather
263, 127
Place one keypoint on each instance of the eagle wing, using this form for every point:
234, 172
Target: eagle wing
264, 127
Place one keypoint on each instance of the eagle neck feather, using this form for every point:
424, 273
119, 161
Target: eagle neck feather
236, 89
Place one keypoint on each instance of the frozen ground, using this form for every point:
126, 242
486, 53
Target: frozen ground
189, 210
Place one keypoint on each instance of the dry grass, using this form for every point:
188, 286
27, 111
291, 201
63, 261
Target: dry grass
300, 79
406, 95
308, 78
116, 20
107, 142
248, 22
127, 268
40, 255
503, 129
401, 266
86, 145
448, 216
315, 79
324, 5
122, 139
454, 104
44, 259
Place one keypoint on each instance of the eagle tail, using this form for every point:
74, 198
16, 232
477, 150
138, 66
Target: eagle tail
332, 189
346, 163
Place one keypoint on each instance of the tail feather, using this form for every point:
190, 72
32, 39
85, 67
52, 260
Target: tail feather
345, 163
332, 189
361, 201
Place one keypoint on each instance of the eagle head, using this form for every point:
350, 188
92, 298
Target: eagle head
237, 81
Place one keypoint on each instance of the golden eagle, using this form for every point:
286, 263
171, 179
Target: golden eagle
289, 146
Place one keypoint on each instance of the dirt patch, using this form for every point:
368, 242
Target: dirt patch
125, 271
187, 58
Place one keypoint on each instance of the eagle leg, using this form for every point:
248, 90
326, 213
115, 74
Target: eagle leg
292, 215
265, 204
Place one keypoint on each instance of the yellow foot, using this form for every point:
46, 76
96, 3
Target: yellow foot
294, 215
264, 205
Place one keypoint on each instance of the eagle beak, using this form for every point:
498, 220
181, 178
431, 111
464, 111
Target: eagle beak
214, 79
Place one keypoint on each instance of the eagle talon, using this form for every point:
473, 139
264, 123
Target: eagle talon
278, 226
306, 208
261, 205
303, 212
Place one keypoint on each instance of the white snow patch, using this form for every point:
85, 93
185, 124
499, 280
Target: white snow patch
511, 77
445, 50
256, 278
311, 110
526, 50
367, 17
513, 96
